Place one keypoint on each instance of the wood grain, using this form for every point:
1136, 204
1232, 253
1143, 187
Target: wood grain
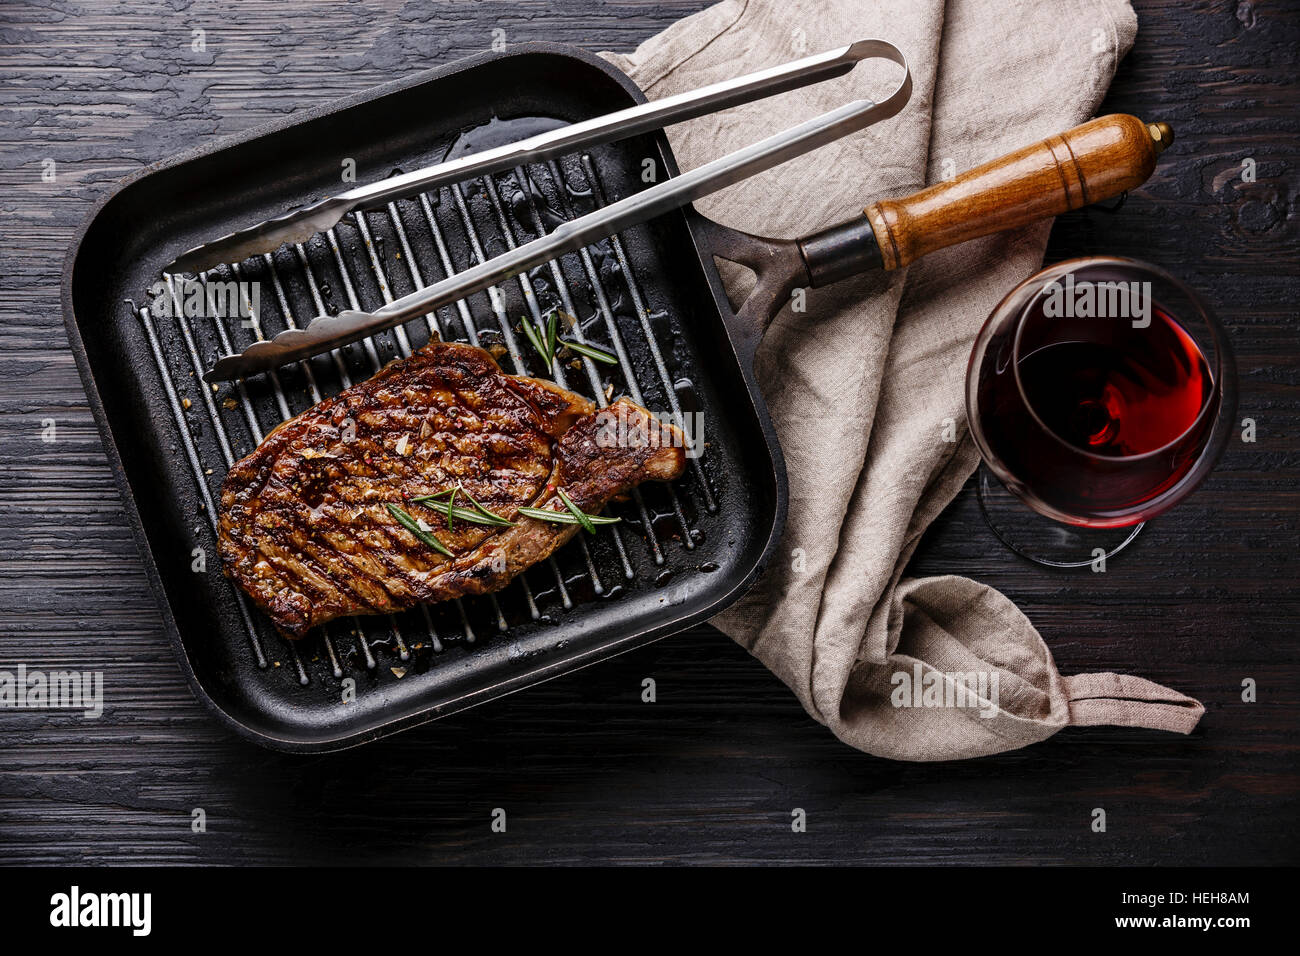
586, 771
1096, 160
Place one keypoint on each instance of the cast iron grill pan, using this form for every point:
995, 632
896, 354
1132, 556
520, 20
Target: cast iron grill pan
683, 551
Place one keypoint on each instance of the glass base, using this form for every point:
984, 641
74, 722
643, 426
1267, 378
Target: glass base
1040, 539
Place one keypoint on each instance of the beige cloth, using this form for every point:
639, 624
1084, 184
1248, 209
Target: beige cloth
861, 383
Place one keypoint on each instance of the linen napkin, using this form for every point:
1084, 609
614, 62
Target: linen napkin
866, 385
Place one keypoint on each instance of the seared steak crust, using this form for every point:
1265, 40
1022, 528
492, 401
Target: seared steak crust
304, 525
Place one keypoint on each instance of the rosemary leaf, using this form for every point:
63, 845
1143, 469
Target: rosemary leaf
564, 517
435, 496
536, 341
552, 332
409, 523
583, 518
591, 351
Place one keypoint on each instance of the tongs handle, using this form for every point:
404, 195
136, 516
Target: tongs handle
1097, 160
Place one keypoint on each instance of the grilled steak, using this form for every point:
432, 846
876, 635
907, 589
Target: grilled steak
305, 525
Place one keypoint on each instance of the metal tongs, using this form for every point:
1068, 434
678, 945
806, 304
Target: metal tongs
326, 332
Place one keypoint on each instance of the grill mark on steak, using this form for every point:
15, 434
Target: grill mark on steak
338, 588
304, 526
353, 586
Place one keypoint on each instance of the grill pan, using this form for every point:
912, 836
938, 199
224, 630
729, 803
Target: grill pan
651, 294
683, 553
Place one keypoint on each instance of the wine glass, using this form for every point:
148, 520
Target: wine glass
1100, 392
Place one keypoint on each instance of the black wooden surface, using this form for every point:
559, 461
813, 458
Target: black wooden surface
711, 772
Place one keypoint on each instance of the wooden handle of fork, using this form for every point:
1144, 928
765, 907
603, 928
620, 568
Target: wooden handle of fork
1098, 160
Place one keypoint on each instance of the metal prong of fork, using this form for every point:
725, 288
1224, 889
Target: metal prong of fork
301, 224
332, 331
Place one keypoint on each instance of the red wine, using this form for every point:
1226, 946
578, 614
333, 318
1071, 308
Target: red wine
1121, 391
1093, 421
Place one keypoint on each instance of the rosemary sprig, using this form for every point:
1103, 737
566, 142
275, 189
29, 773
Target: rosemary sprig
564, 517
547, 356
475, 515
583, 518
574, 515
478, 506
410, 524
546, 340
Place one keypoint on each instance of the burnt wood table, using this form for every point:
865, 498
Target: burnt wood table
712, 770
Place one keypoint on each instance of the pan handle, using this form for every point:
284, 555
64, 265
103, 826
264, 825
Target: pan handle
1097, 160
